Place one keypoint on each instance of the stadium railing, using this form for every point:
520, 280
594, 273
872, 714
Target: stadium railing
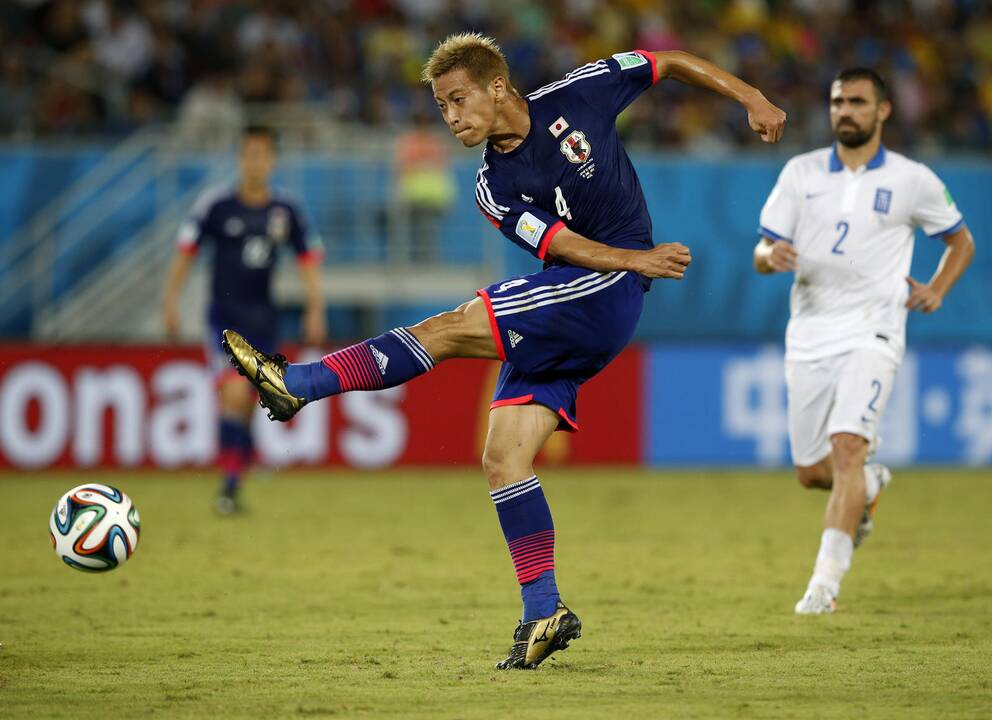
91, 263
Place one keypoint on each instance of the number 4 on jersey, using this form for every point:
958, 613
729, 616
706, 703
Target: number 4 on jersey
561, 205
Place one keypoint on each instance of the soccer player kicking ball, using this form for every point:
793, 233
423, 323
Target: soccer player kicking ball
842, 219
244, 226
556, 180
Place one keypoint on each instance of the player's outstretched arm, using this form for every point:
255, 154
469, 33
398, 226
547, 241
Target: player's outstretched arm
668, 260
956, 258
314, 320
763, 117
173, 286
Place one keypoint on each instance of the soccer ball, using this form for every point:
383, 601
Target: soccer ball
94, 527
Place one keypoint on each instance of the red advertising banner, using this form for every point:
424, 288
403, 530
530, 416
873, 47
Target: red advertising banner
127, 406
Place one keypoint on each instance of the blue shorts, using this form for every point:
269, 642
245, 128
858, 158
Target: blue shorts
217, 361
557, 328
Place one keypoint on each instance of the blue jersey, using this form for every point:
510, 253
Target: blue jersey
245, 241
572, 170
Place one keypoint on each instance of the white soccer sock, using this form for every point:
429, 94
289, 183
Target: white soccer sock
833, 560
872, 482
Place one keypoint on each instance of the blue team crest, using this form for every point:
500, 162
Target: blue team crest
883, 200
277, 227
576, 148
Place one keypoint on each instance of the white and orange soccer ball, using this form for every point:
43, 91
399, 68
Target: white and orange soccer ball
94, 528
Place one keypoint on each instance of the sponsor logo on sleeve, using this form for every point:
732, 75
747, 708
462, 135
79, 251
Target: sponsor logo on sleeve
947, 197
883, 200
531, 229
630, 60
558, 126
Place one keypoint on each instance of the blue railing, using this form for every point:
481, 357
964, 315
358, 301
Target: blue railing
710, 205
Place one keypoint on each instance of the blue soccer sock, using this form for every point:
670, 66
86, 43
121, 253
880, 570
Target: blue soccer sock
236, 450
382, 362
229, 486
530, 535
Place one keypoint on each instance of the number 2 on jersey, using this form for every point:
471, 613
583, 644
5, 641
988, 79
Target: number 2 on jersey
561, 206
876, 385
842, 227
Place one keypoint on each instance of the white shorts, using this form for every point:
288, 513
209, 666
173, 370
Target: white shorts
842, 393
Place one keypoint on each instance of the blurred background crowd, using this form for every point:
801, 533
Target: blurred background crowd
106, 67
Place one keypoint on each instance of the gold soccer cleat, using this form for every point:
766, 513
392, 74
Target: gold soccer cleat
266, 373
534, 641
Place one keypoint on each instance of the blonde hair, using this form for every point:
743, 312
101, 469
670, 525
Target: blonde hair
473, 52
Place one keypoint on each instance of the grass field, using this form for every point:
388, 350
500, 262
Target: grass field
391, 595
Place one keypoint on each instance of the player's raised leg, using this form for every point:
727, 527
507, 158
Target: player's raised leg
381, 362
516, 434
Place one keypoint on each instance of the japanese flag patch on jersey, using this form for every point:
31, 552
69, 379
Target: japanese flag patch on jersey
531, 229
558, 126
630, 60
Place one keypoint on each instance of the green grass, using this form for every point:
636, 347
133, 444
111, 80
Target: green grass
391, 595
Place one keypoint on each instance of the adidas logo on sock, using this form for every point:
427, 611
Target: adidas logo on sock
381, 358
515, 338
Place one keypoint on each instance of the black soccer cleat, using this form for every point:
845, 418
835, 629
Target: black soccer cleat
534, 641
266, 373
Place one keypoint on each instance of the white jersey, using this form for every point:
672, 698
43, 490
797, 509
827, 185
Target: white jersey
853, 232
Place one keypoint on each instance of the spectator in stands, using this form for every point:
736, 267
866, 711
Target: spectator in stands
360, 58
122, 41
211, 114
425, 186
61, 26
16, 91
